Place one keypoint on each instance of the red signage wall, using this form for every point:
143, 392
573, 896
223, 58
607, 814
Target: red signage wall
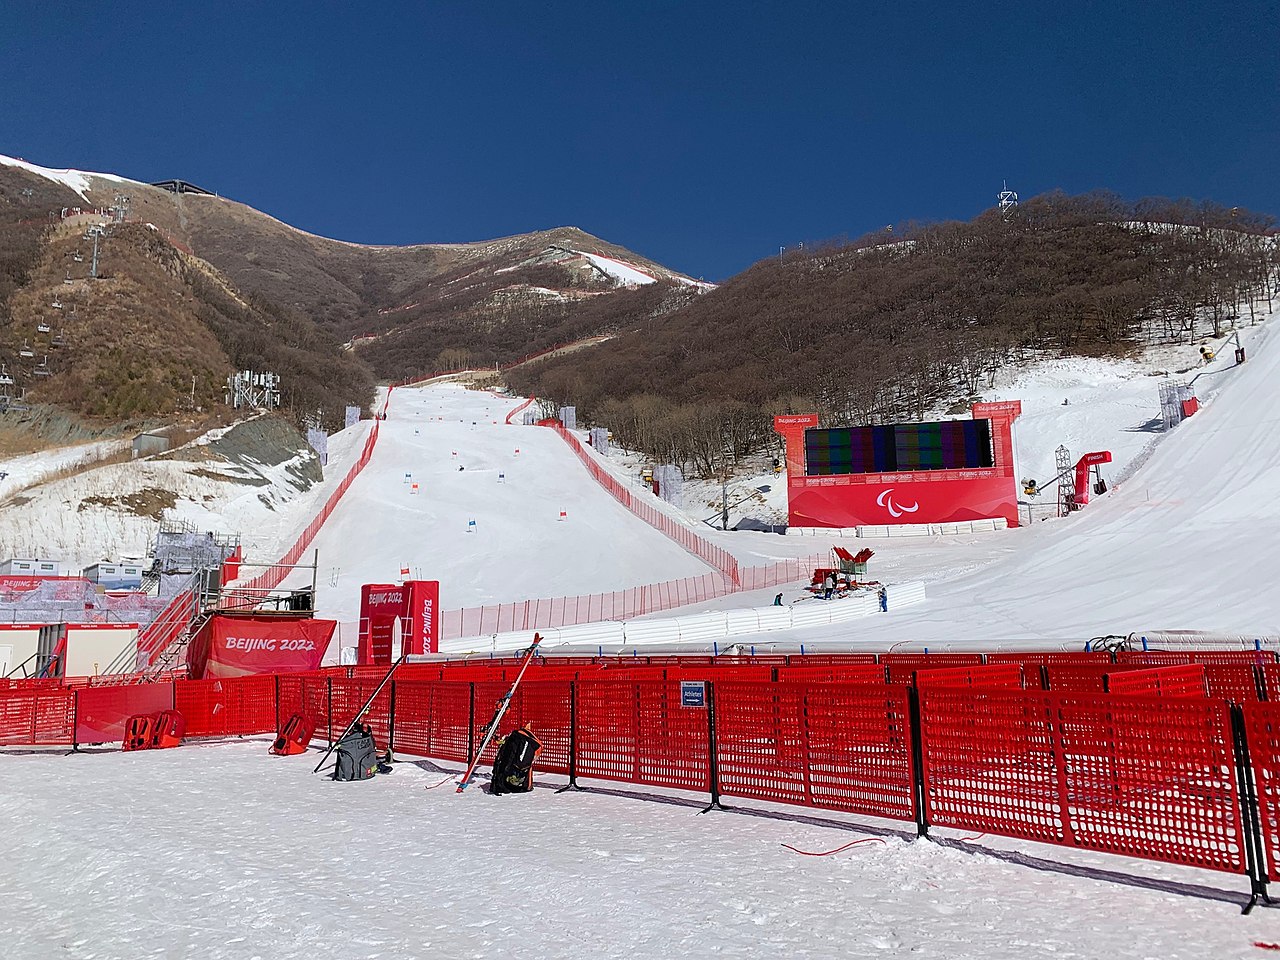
237, 646
415, 604
918, 496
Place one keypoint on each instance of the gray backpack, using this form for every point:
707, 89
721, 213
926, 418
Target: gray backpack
357, 757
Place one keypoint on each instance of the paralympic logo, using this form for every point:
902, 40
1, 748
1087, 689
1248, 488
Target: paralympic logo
895, 508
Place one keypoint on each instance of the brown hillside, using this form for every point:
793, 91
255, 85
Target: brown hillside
877, 332
493, 300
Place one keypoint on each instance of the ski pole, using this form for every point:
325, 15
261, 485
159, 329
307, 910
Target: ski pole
360, 713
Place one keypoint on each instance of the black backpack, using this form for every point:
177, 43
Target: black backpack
513, 764
357, 757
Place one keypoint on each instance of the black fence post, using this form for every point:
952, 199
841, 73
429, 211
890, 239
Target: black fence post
1260, 681
391, 723
573, 739
1250, 817
75, 721
917, 760
712, 767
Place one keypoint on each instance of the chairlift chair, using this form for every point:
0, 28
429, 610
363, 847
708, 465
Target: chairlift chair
43, 369
57, 304
5, 379
57, 340
78, 257
42, 327
25, 350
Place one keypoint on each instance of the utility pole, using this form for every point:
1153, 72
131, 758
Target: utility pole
193, 393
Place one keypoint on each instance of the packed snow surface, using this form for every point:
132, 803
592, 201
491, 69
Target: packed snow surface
485, 520
219, 851
624, 273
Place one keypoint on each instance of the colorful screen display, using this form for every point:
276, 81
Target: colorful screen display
898, 447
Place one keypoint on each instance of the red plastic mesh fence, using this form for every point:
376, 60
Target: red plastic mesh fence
819, 659
1051, 656
700, 547
903, 666
745, 672
1142, 777
1271, 681
1082, 677
306, 694
1157, 658
543, 704
840, 746
834, 673
349, 696
638, 732
235, 706
1229, 674
987, 675
37, 716
1262, 729
1182, 680
433, 719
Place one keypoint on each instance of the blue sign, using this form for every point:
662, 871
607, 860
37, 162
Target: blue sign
693, 693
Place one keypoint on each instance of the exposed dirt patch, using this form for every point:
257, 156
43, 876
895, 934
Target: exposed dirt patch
230, 478
267, 440
149, 502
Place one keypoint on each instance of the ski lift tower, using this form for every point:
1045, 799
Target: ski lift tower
95, 232
1066, 481
120, 209
1008, 199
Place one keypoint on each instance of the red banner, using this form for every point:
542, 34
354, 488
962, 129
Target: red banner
423, 635
237, 646
20, 584
852, 501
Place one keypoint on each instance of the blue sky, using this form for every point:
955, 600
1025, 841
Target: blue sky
703, 135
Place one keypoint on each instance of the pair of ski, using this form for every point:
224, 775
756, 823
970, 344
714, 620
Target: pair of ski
489, 730
503, 704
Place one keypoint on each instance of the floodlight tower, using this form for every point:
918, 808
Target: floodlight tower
1008, 199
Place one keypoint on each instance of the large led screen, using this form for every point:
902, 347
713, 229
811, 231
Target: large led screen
898, 447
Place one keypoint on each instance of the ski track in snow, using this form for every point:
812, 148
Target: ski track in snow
222, 852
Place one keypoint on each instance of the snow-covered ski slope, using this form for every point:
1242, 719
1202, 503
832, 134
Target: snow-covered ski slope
1188, 541
219, 852
518, 549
